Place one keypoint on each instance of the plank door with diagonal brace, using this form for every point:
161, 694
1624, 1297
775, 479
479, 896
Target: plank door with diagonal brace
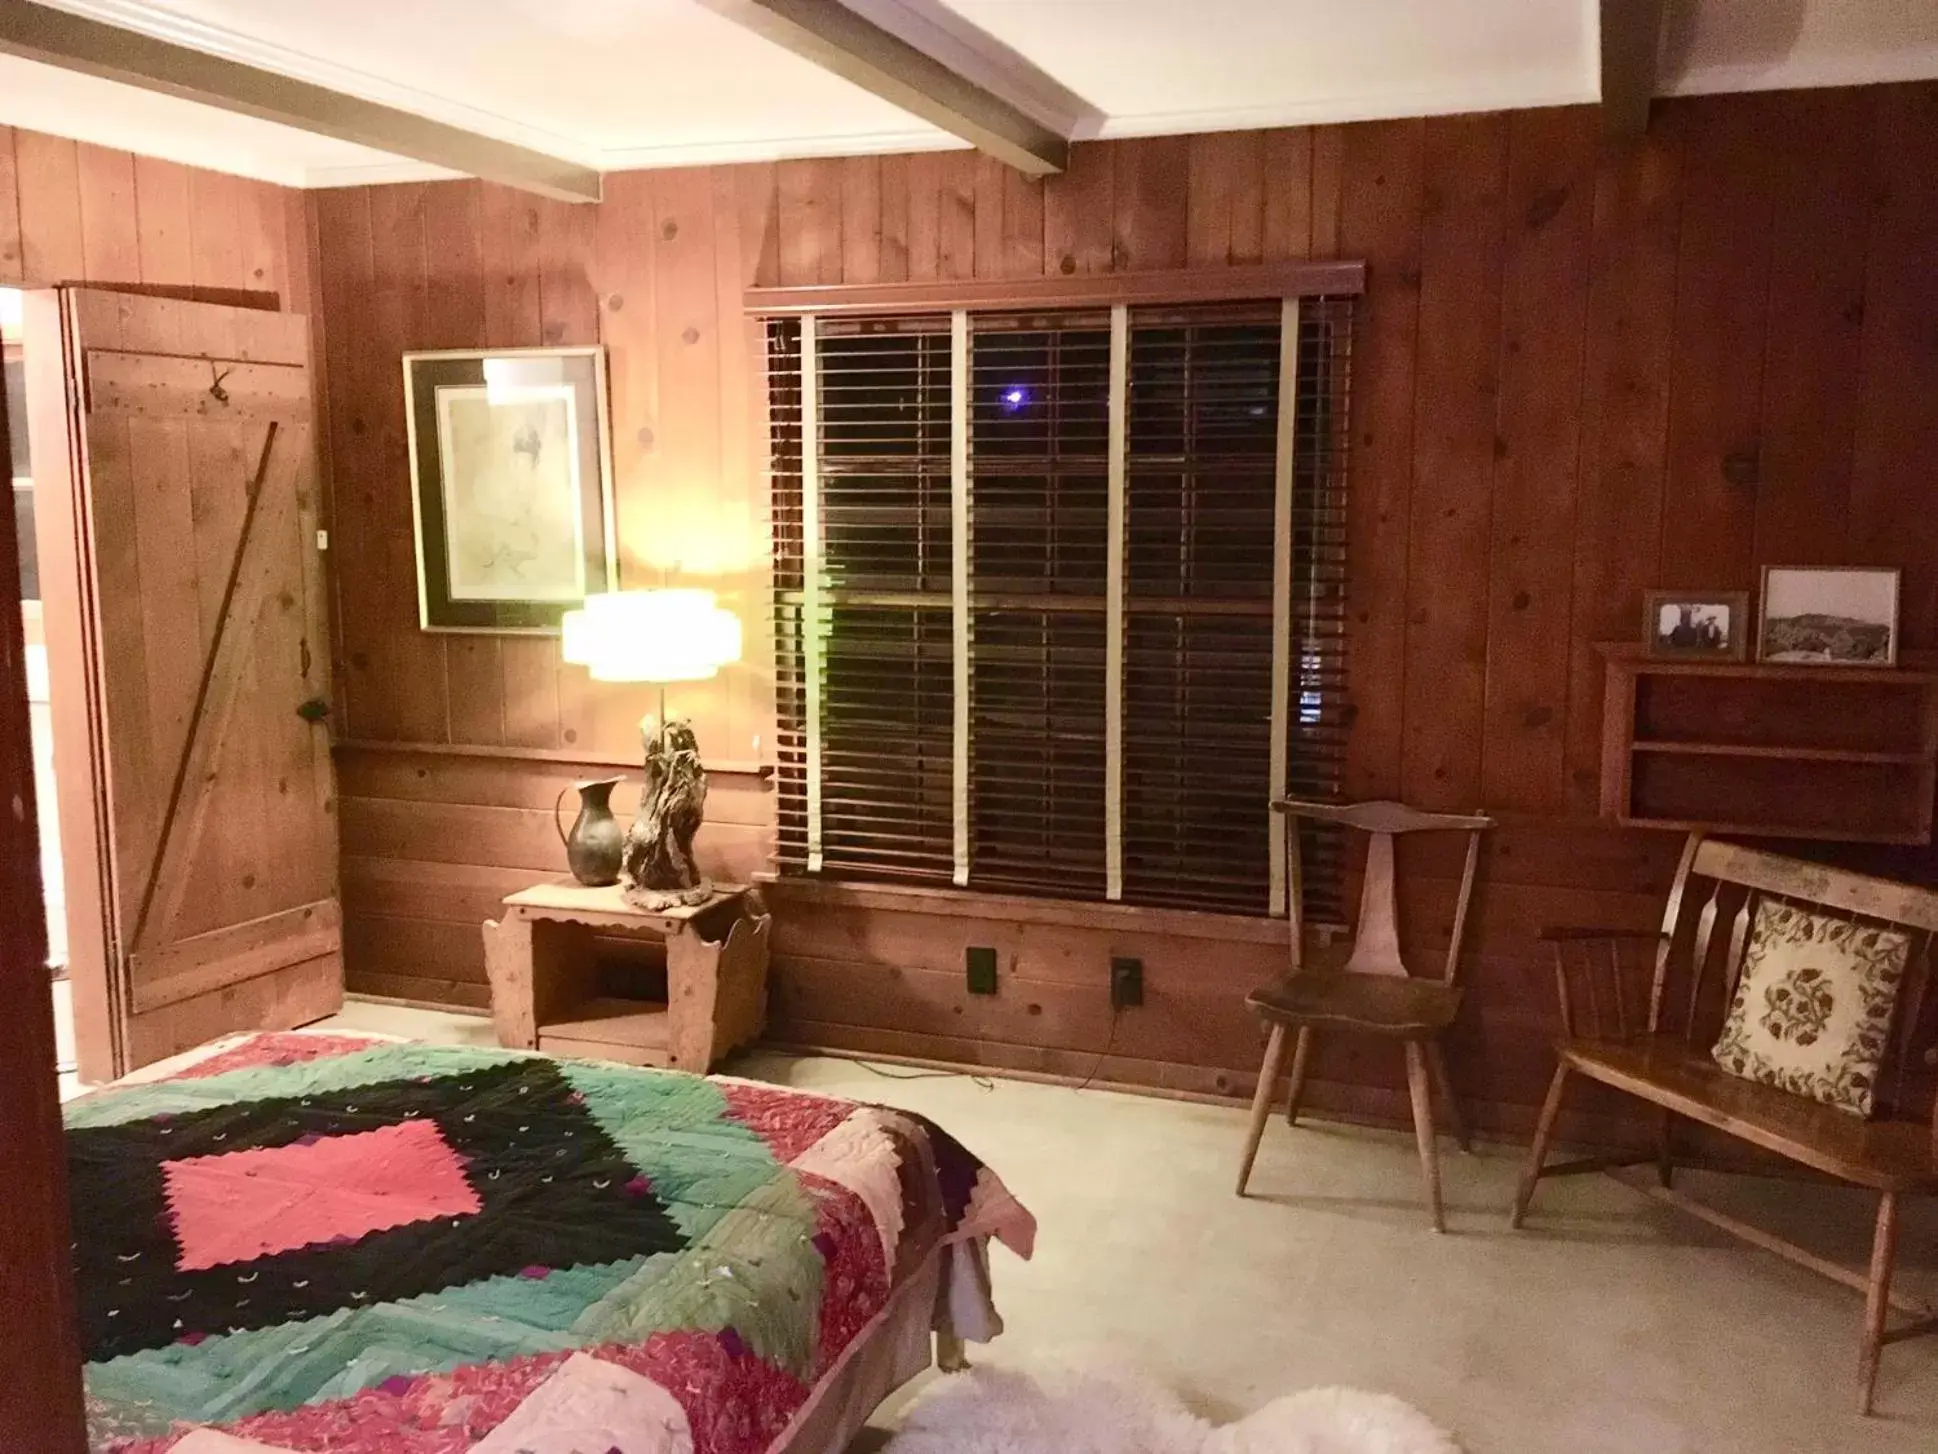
186, 623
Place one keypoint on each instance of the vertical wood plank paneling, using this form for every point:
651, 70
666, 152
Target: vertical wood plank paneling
989, 260
756, 185
623, 261
891, 211
1549, 214
342, 220
1150, 186
861, 220
693, 542
1716, 376
956, 215
510, 245
1286, 221
1625, 426
1456, 392
514, 318
405, 692
1078, 212
689, 368
741, 539
299, 259
1815, 328
110, 246
162, 222
215, 229
455, 318
10, 259
1381, 197
1022, 236
50, 209
1211, 176
1225, 198
1892, 521
924, 230
568, 317
262, 226
1328, 154
810, 218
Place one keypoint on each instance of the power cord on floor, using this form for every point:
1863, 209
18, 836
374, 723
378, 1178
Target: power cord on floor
980, 1082
1110, 1043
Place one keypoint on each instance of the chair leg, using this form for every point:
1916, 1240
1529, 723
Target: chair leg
1268, 1078
1538, 1152
1877, 1300
1301, 1067
1665, 1147
1443, 1084
1418, 1083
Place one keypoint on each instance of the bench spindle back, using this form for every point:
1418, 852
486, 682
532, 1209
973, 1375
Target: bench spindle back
1699, 953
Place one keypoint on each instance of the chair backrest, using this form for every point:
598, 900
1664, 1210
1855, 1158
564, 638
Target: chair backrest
1376, 935
1699, 956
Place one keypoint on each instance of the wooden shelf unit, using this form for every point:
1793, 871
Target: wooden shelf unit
1840, 754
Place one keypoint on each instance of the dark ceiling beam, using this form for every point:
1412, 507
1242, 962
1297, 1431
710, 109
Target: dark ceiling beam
75, 43
1631, 45
857, 49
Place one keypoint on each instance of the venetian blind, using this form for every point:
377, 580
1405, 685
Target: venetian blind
1081, 665
880, 781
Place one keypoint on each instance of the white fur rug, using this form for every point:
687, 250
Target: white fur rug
1109, 1411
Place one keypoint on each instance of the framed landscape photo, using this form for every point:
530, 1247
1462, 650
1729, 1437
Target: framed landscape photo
511, 469
1829, 615
1699, 625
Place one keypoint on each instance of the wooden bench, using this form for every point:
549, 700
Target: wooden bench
1645, 1024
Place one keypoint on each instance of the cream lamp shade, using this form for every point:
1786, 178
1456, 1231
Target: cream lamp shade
671, 635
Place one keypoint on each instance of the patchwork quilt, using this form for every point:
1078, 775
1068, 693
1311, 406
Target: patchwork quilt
332, 1244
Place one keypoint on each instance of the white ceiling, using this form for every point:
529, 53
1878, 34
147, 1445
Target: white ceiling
629, 83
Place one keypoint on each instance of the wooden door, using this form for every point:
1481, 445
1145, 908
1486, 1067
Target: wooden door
186, 633
40, 1396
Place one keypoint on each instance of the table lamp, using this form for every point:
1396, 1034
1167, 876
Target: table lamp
658, 636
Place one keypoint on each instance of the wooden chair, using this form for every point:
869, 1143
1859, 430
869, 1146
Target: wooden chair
1651, 1037
1373, 993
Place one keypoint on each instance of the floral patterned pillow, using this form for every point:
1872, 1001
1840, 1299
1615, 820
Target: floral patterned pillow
1812, 1012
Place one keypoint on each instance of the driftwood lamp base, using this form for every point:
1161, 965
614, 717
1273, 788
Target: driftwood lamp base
657, 870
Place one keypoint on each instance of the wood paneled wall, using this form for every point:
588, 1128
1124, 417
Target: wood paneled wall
72, 212
1576, 377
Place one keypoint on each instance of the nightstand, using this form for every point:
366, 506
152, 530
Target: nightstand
545, 994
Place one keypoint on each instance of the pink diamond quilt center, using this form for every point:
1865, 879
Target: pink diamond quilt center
249, 1204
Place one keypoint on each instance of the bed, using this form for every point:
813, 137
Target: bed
328, 1243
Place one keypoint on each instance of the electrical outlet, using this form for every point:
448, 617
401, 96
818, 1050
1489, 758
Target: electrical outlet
1126, 983
980, 963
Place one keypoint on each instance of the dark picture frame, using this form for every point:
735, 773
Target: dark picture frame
511, 485
1704, 626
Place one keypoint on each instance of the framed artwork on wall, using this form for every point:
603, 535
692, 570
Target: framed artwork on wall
511, 475
1700, 625
1829, 615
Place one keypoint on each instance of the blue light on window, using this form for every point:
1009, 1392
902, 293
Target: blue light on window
1014, 398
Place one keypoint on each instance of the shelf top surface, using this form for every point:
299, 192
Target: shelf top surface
1914, 668
564, 898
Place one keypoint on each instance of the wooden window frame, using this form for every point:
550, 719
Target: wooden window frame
1095, 290
1288, 284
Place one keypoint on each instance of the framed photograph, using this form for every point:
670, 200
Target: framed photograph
511, 471
1704, 625
1833, 615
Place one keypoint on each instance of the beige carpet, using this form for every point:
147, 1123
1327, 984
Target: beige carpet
1611, 1324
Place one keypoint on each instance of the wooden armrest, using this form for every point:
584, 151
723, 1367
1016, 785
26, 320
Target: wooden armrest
1554, 935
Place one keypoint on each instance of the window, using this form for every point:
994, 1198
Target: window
1059, 597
